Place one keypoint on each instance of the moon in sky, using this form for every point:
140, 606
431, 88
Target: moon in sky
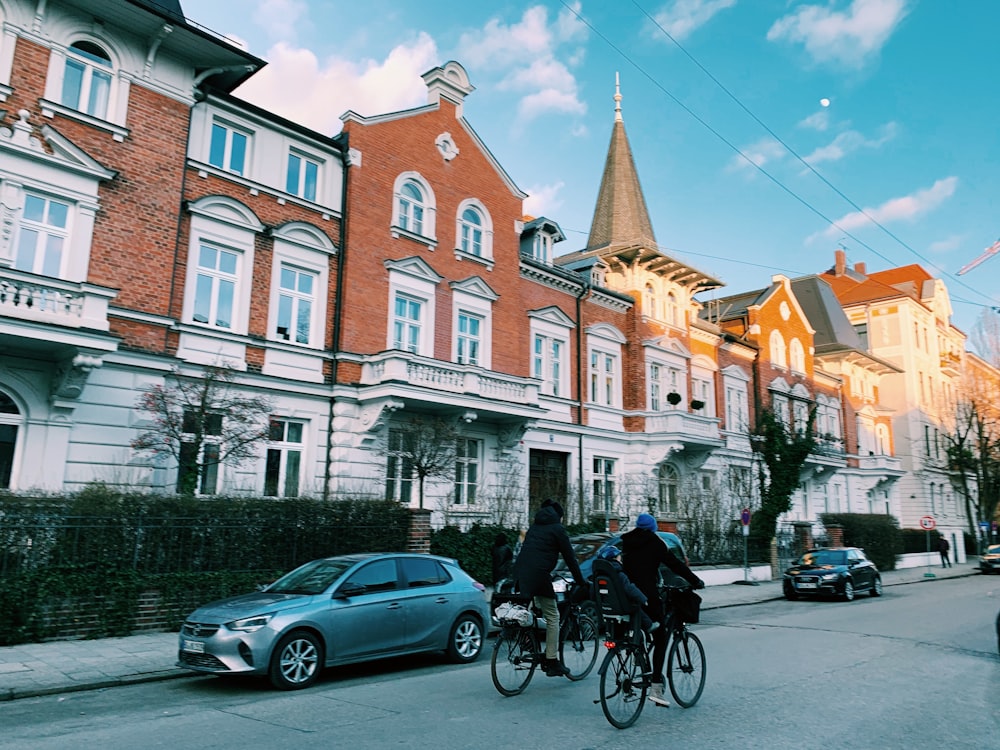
824, 102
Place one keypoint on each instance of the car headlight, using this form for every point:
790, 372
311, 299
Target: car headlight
830, 576
250, 624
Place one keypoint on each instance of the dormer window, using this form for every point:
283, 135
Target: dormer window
541, 247
87, 79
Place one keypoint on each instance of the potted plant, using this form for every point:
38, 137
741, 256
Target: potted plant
673, 398
696, 404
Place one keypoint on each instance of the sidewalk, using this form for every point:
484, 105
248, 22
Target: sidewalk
65, 666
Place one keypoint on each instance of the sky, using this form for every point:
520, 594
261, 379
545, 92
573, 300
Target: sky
766, 133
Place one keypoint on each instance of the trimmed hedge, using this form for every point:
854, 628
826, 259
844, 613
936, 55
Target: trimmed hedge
877, 534
472, 548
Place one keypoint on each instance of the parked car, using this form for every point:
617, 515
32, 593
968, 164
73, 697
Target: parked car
832, 571
586, 547
339, 610
989, 561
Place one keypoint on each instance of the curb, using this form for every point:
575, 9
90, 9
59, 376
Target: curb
128, 679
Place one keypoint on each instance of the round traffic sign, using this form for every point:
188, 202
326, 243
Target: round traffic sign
745, 516
927, 523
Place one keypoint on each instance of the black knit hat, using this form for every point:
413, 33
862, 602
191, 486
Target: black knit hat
550, 503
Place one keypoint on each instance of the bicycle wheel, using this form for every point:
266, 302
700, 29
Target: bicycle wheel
578, 646
514, 660
624, 685
686, 668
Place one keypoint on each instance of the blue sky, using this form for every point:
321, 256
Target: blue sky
766, 132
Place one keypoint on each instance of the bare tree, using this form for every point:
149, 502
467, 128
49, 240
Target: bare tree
425, 447
202, 421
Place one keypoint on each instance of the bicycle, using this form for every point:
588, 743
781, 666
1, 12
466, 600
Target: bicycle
626, 672
519, 648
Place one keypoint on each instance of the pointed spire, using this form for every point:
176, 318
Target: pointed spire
621, 218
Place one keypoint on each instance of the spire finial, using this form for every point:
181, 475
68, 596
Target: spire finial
618, 99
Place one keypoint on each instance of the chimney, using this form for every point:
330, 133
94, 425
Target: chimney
840, 262
860, 268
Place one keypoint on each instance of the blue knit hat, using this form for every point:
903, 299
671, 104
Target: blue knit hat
645, 521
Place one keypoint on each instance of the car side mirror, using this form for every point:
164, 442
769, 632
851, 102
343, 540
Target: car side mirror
348, 590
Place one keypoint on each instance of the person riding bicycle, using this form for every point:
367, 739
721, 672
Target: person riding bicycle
545, 541
613, 556
643, 552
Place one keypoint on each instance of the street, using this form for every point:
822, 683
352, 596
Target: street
916, 668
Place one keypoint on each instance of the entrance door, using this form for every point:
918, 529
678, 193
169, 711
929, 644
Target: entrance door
547, 477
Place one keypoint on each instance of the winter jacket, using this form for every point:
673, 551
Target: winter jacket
545, 541
503, 557
642, 554
631, 591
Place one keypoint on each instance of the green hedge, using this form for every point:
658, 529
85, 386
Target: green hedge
472, 548
877, 534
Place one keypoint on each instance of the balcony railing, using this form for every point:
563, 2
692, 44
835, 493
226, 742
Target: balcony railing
40, 299
683, 423
397, 366
879, 463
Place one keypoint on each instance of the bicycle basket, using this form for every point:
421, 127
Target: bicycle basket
686, 604
511, 613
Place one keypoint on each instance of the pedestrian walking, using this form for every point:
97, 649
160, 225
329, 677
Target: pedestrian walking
502, 558
943, 547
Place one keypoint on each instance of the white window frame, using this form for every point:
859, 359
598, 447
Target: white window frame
414, 280
469, 342
734, 383
703, 371
402, 221
17, 420
285, 446
473, 297
541, 246
45, 232
231, 128
603, 483
468, 470
400, 482
655, 395
484, 228
550, 327
306, 160
668, 488
796, 357
777, 352
91, 67
604, 365
305, 249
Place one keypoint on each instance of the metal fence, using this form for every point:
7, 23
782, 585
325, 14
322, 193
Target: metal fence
174, 545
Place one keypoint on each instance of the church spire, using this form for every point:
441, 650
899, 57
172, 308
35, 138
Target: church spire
621, 218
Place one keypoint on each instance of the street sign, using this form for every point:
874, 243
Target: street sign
927, 523
745, 516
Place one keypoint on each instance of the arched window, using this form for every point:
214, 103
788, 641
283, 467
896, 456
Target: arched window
87, 79
649, 301
673, 312
668, 489
10, 420
777, 346
474, 229
413, 207
796, 356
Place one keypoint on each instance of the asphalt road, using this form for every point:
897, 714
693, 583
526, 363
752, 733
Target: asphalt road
916, 668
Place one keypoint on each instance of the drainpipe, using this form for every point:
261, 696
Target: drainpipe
584, 290
343, 139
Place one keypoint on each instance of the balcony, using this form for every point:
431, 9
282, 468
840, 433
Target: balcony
951, 364
406, 376
694, 433
889, 464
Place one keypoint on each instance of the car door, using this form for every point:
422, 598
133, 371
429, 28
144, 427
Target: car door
861, 569
430, 602
371, 622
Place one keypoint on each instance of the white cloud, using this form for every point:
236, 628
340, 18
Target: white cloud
280, 18
543, 200
848, 142
948, 244
906, 208
681, 18
848, 38
817, 121
298, 86
532, 58
759, 153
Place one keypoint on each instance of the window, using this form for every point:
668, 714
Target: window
655, 387
208, 457
649, 302
406, 323
737, 416
673, 310
882, 440
800, 417
411, 208
471, 232
228, 148
398, 469
604, 484
467, 453
702, 390
541, 247
303, 176
215, 288
420, 572
295, 304
283, 466
603, 377
796, 356
44, 230
668, 485
10, 421
87, 79
469, 338
376, 576
548, 363
780, 405
777, 346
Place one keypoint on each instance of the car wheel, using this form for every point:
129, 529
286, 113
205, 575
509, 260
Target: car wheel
296, 661
789, 591
876, 589
466, 640
848, 591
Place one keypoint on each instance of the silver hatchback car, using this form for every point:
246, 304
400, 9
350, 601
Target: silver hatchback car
339, 610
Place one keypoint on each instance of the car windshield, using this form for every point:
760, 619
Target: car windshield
993, 549
824, 557
312, 578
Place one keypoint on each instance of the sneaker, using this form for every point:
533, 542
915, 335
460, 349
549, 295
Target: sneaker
656, 695
554, 668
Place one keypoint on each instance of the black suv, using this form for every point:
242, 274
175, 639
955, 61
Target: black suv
832, 571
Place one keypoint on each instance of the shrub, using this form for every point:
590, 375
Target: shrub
472, 548
877, 534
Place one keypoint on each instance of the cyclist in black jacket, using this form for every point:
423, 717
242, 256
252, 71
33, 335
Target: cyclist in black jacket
544, 542
642, 554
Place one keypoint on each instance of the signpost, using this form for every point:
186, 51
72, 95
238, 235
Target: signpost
927, 523
745, 520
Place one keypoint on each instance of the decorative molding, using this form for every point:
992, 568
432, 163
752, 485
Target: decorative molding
72, 375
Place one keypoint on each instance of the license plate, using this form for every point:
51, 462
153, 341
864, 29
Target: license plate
194, 647
805, 585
